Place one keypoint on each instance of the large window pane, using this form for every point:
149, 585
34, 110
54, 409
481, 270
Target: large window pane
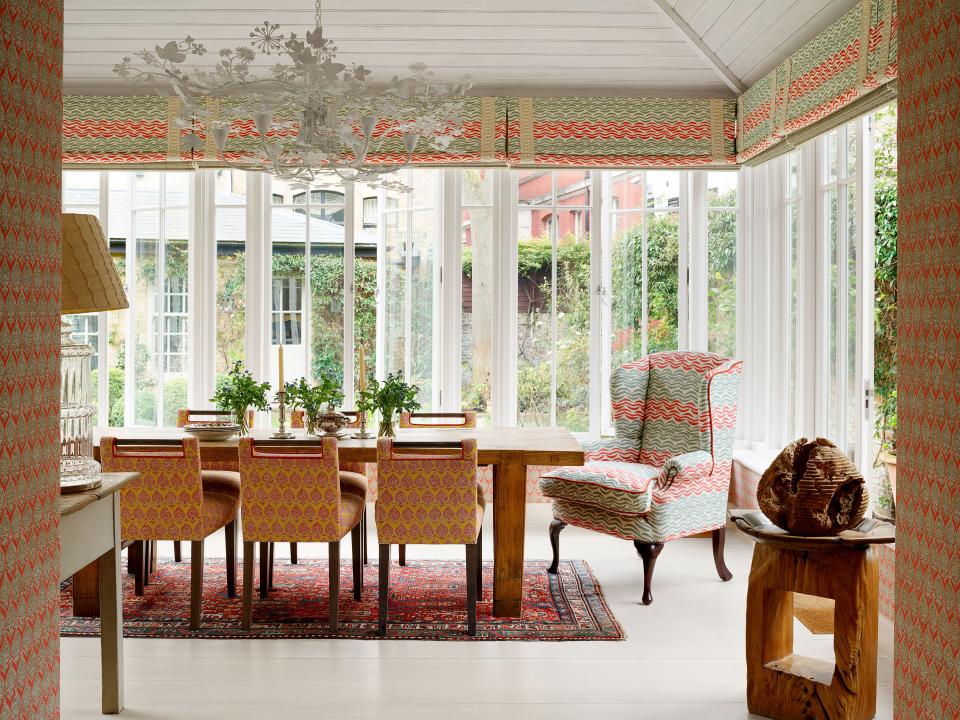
477, 322
231, 298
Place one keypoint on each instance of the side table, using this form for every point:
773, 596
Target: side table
786, 686
90, 530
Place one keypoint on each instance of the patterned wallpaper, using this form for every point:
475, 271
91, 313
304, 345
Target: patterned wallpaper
927, 665
31, 58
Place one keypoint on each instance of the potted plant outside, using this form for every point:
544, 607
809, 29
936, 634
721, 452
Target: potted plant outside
389, 398
238, 392
312, 399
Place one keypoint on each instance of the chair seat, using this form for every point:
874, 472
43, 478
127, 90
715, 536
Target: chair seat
620, 487
223, 482
351, 509
219, 509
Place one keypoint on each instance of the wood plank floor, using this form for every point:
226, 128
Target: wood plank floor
683, 657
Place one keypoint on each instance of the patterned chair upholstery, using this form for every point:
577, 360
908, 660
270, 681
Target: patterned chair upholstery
169, 501
430, 497
298, 494
409, 420
666, 473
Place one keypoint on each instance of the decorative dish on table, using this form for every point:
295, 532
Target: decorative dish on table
212, 430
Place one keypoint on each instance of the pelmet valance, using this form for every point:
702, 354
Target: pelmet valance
851, 59
847, 69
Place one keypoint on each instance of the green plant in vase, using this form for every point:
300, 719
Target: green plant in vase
389, 397
312, 399
237, 392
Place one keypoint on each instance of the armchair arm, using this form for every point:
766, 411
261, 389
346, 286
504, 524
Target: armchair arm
684, 468
617, 449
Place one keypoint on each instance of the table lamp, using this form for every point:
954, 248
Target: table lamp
88, 283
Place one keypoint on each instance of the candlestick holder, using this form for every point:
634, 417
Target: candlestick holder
363, 434
282, 433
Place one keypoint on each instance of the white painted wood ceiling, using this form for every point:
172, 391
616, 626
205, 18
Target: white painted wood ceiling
510, 47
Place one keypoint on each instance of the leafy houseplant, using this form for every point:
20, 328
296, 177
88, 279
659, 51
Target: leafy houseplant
312, 398
237, 392
389, 397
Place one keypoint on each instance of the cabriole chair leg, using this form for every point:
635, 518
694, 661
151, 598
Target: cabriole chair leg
648, 552
555, 527
719, 537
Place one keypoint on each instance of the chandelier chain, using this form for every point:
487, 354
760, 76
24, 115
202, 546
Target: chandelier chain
316, 13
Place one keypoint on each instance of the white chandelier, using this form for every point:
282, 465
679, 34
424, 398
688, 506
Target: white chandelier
313, 116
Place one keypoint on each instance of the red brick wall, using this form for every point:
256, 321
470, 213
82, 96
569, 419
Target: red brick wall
31, 58
927, 675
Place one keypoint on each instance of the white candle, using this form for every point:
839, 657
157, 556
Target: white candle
280, 367
362, 384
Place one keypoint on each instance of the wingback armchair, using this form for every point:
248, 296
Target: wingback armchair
666, 473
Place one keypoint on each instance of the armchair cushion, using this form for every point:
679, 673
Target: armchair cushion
619, 487
616, 449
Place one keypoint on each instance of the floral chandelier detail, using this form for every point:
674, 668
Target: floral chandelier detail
312, 115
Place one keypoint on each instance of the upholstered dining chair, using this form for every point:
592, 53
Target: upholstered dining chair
429, 496
408, 420
298, 494
297, 422
218, 476
666, 474
169, 501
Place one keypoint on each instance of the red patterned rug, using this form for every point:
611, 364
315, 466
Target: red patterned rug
427, 602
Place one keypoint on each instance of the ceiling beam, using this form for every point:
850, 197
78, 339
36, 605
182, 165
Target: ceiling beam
701, 48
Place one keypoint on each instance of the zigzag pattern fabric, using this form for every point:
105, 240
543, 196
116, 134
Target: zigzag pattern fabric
621, 132
927, 663
137, 130
31, 72
428, 499
295, 496
667, 472
851, 58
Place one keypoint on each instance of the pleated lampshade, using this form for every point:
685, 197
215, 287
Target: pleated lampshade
89, 280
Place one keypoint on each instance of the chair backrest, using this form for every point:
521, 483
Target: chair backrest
427, 495
465, 419
185, 416
166, 501
290, 492
690, 403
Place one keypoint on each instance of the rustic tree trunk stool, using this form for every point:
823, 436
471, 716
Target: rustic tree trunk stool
844, 567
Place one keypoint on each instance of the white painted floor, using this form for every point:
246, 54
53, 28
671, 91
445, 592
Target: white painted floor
683, 656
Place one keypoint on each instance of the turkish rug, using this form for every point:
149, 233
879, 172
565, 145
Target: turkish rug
427, 602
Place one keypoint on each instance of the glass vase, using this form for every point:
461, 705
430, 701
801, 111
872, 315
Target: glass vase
387, 427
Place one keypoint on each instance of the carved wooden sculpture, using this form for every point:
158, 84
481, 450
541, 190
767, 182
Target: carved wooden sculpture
812, 488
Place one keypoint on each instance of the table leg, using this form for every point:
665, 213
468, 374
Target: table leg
509, 517
86, 591
111, 621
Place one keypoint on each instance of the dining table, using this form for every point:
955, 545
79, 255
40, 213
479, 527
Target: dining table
509, 450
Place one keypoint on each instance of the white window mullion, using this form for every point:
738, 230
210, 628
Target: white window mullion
160, 281
450, 296
202, 301
503, 379
607, 221
130, 344
824, 322
349, 289
865, 288
692, 321
553, 299
645, 215
259, 277
103, 319
599, 330
381, 319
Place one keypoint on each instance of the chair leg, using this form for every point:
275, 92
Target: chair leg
246, 615
480, 565
231, 532
402, 552
472, 589
177, 557
264, 570
153, 556
147, 556
363, 532
356, 543
648, 552
384, 589
136, 560
270, 574
719, 537
196, 582
293, 553
555, 527
334, 586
